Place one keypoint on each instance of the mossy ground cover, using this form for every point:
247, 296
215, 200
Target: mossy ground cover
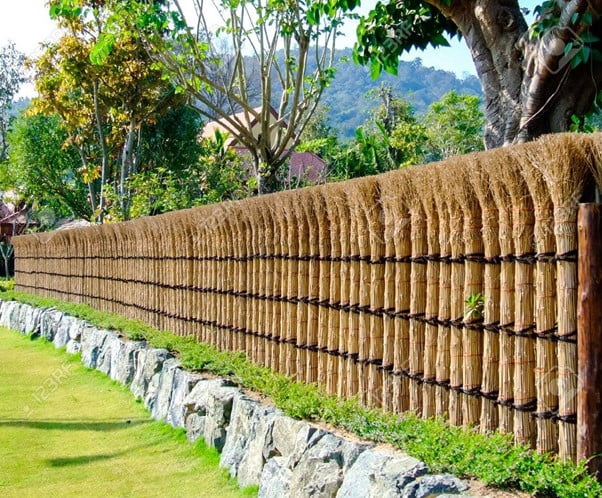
69, 431
493, 458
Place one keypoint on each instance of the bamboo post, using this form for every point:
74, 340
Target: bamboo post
457, 309
589, 400
472, 336
313, 291
388, 355
431, 312
545, 298
345, 293
293, 275
417, 301
444, 310
325, 268
373, 211
394, 199
277, 264
334, 292
481, 182
354, 297
360, 194
304, 269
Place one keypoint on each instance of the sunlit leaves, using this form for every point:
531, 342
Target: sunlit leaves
103, 47
394, 27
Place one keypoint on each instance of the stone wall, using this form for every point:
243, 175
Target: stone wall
259, 445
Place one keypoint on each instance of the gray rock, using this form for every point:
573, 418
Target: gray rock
319, 470
19, 318
73, 347
31, 321
289, 440
275, 479
378, 474
208, 408
158, 395
49, 321
253, 459
6, 311
183, 383
105, 354
61, 336
12, 316
433, 485
75, 332
92, 345
149, 363
288, 436
123, 360
239, 433
10, 309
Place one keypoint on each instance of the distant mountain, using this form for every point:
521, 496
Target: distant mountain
346, 97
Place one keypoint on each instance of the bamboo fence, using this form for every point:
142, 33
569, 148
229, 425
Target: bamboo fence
362, 286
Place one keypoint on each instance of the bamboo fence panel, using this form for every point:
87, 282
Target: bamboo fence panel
362, 286
564, 165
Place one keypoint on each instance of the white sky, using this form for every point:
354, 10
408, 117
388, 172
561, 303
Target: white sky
26, 22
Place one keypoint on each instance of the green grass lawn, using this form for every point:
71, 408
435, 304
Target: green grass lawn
69, 431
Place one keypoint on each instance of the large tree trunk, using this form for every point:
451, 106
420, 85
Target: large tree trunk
529, 86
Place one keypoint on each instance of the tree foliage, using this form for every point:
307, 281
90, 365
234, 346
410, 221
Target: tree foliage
394, 136
454, 125
535, 78
215, 175
42, 170
103, 107
189, 53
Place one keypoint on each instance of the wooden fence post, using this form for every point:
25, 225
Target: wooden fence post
589, 405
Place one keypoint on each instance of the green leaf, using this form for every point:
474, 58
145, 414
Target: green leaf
576, 60
102, 49
439, 41
587, 18
375, 69
589, 37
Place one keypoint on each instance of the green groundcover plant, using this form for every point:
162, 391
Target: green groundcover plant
493, 459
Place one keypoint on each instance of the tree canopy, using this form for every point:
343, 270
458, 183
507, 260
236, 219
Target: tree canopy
535, 77
225, 70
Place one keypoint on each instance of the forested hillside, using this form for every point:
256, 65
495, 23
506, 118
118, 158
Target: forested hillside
349, 106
